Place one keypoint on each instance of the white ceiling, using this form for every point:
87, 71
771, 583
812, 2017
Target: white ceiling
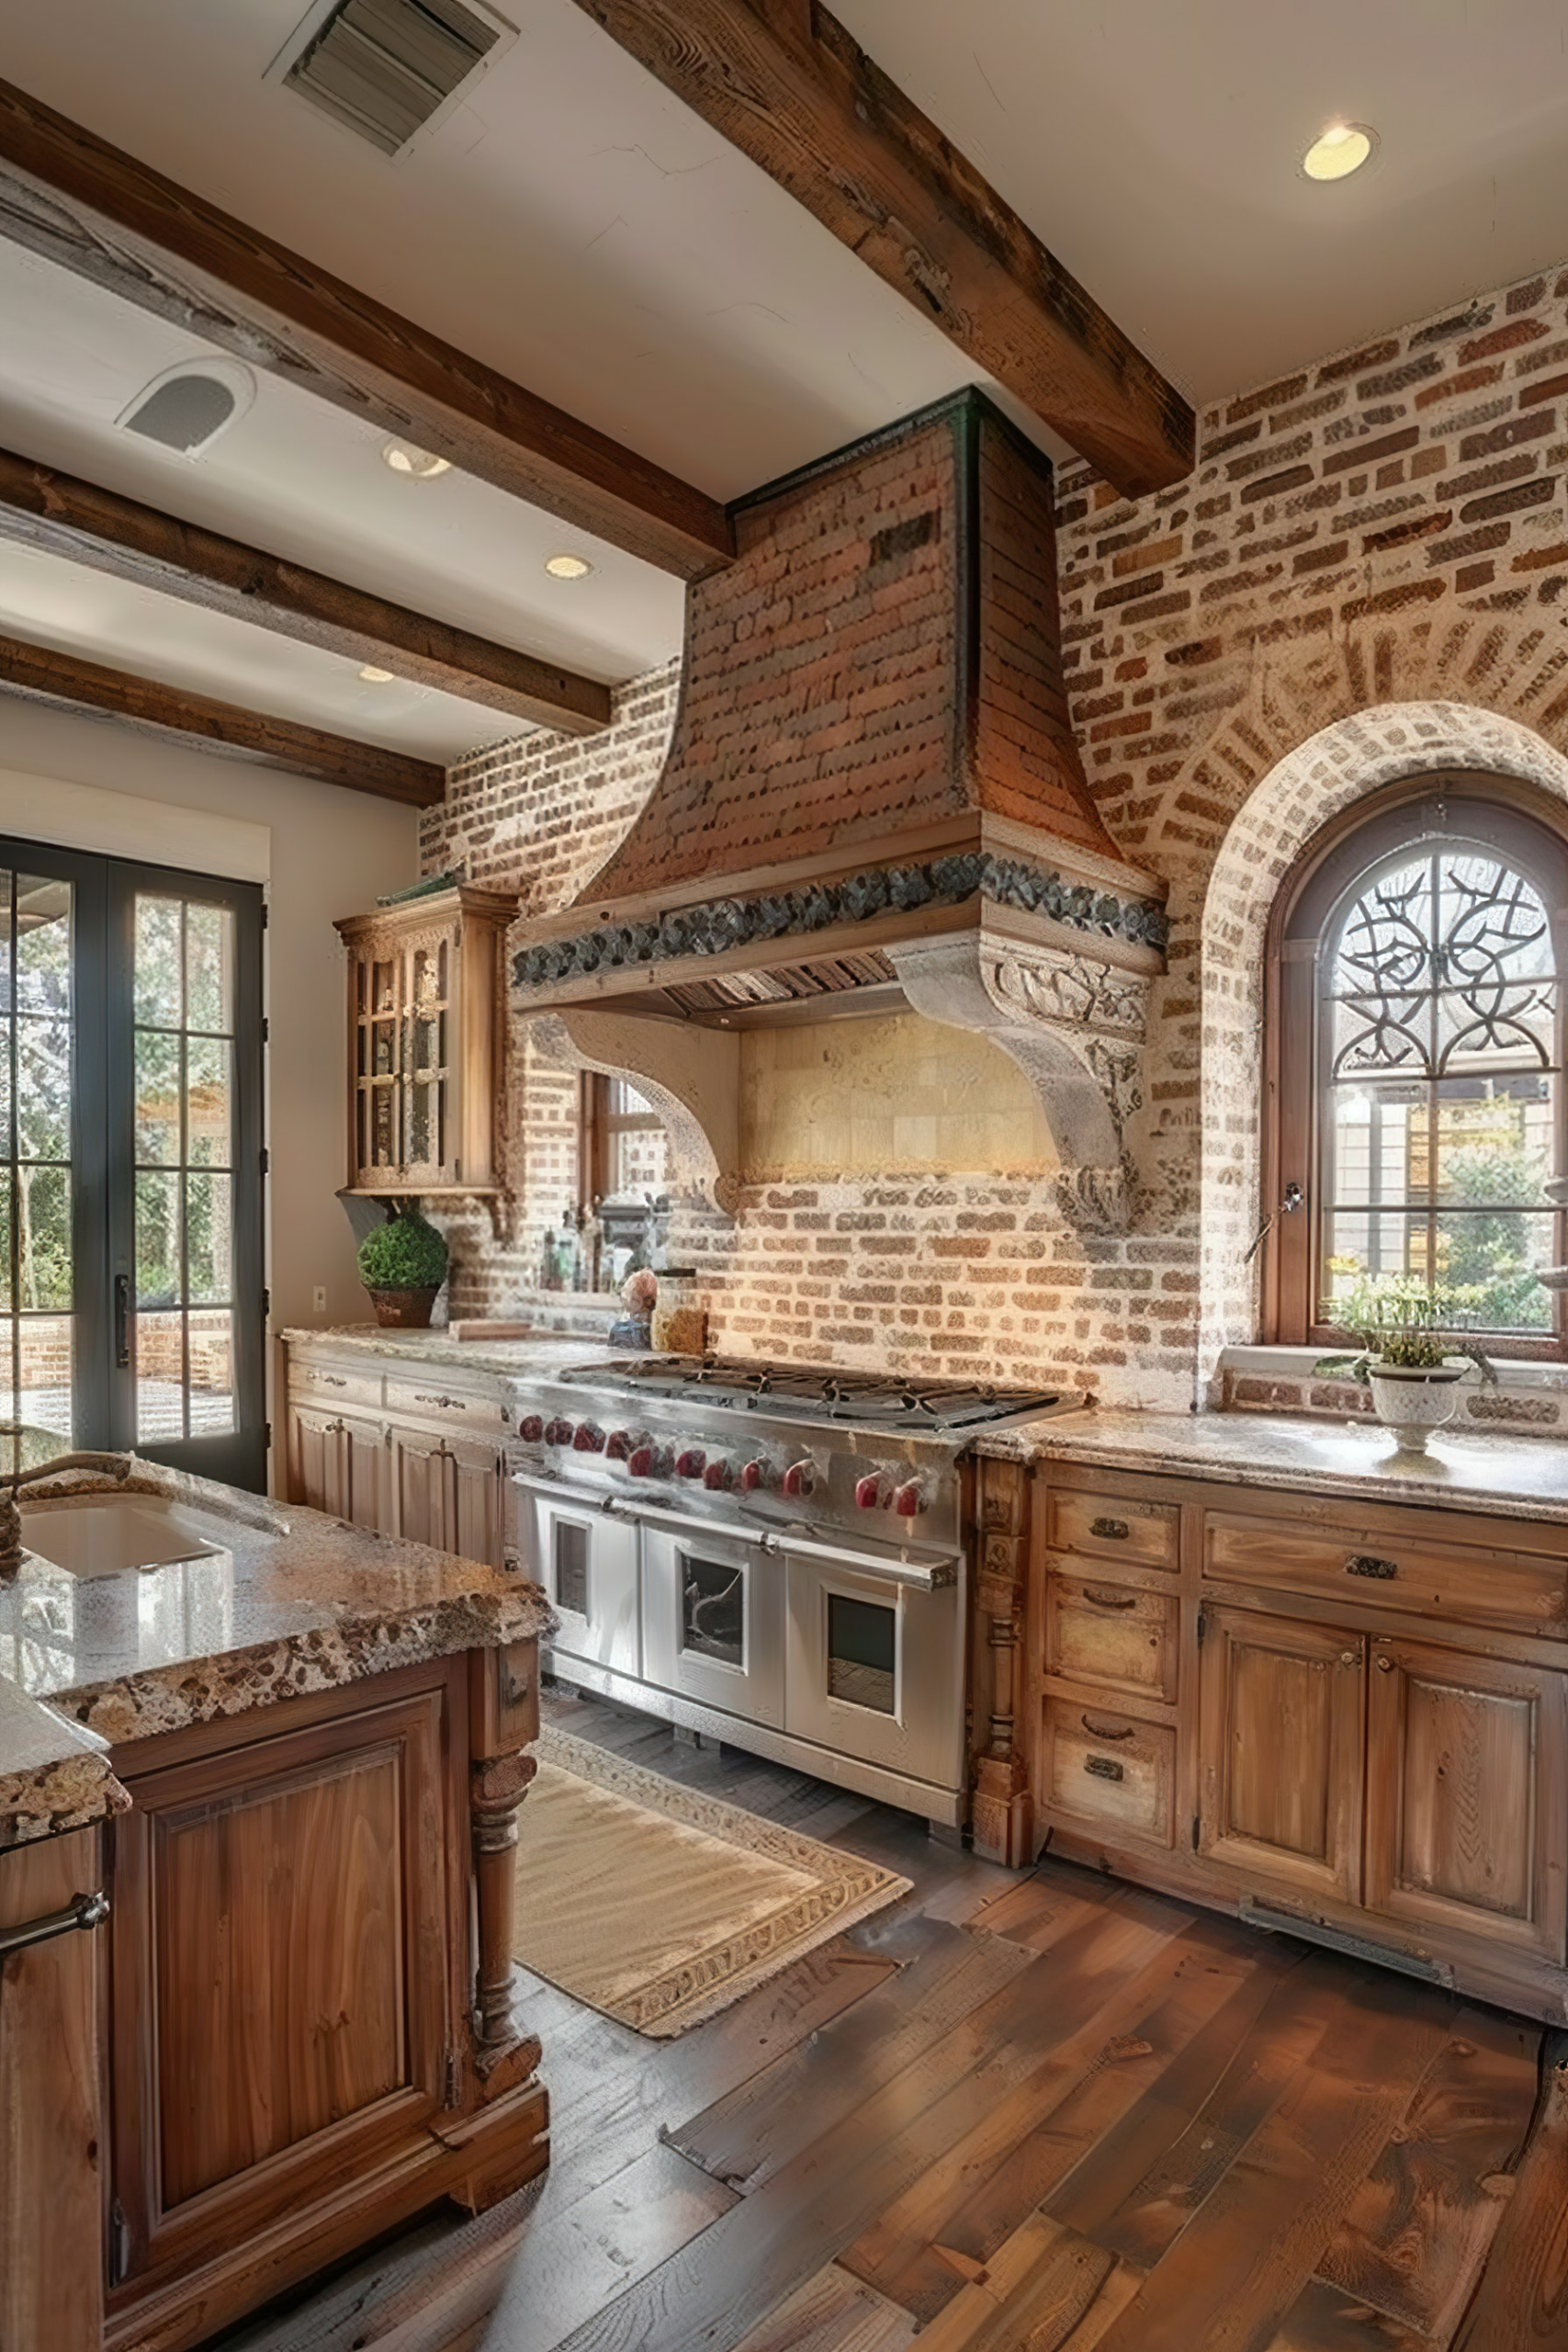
575, 226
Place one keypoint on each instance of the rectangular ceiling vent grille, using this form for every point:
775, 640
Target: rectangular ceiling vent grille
385, 67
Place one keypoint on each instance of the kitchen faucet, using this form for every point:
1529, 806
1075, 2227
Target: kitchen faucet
116, 1465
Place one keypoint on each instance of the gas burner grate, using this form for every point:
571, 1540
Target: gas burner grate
822, 1393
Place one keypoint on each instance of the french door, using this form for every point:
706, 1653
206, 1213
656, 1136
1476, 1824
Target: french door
131, 1309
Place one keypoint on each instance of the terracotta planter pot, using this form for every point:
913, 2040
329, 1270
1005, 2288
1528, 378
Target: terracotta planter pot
1413, 1404
405, 1310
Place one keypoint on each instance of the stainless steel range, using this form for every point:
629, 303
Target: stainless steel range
771, 1555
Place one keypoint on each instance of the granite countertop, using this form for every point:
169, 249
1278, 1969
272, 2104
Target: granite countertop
277, 1603
1516, 1478
541, 1351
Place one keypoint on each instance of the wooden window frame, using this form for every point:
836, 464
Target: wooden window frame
597, 1125
1292, 1286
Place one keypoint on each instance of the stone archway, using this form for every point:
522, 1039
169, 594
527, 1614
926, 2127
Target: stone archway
1342, 762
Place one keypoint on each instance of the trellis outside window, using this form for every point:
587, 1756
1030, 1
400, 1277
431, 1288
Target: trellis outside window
1415, 1083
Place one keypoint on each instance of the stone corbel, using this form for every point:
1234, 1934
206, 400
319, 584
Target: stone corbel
1074, 1025
689, 1074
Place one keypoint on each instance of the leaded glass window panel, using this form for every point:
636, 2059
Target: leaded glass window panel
1440, 1028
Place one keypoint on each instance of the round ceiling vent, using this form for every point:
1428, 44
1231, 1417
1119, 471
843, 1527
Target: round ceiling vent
187, 406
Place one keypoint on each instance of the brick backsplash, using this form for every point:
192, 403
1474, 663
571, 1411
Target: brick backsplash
1366, 576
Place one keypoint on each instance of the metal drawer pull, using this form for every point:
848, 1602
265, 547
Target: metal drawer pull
1367, 1564
87, 1911
1108, 1599
1114, 1531
446, 1404
1098, 1731
1103, 1768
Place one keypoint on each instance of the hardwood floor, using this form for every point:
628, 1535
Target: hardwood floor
1008, 2114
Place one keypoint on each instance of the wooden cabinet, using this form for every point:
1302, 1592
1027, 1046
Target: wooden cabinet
403, 1471
1349, 1718
425, 1042
311, 2032
268, 2018
1280, 1740
448, 1493
1467, 1793
336, 1463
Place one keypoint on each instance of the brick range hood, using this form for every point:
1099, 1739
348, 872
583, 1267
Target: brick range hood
872, 798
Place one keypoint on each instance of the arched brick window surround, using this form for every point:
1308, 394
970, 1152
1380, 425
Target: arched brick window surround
1345, 762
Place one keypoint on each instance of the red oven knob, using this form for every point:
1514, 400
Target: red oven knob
690, 1462
870, 1492
617, 1445
909, 1499
558, 1433
800, 1479
717, 1477
648, 1460
531, 1428
588, 1438
754, 1475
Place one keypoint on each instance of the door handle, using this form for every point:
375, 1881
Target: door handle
1108, 1599
121, 1320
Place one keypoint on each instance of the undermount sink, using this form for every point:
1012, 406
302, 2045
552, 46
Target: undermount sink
110, 1533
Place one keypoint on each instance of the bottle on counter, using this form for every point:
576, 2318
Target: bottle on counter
549, 1260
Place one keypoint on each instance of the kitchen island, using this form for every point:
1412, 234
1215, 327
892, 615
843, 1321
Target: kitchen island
291, 1753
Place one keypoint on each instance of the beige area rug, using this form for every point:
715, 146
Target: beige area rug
662, 1907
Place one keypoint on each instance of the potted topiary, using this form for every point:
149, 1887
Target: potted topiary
402, 1265
1410, 1355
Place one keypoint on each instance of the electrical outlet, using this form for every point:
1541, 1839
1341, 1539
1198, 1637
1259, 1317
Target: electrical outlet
319, 1299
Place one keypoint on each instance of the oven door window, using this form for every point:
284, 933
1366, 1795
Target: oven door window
569, 1565
713, 1610
862, 1653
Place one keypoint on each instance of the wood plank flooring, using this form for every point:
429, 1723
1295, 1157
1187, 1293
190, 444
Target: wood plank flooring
1037, 2114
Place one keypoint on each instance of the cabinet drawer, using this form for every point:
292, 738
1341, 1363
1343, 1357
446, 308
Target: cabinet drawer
439, 1407
1110, 1769
333, 1383
1452, 1580
1112, 1527
1112, 1635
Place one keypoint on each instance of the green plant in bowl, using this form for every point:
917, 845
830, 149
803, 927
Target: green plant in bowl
1411, 1352
402, 1265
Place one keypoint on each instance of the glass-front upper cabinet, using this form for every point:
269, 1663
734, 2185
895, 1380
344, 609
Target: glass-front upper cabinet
425, 1030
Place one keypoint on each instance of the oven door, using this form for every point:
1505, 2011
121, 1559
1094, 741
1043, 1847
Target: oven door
586, 1560
713, 1616
874, 1662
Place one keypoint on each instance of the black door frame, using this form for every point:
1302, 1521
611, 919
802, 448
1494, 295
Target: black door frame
103, 1116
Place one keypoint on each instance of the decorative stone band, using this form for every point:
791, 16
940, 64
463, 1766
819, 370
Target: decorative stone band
718, 925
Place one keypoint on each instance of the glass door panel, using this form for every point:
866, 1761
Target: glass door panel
188, 1250
183, 1004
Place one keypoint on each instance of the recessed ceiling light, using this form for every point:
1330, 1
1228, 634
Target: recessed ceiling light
568, 567
422, 464
1343, 149
374, 677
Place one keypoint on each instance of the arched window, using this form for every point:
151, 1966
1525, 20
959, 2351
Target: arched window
1415, 1051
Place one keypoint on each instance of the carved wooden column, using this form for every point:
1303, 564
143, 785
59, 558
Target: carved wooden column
504, 1717
1001, 1810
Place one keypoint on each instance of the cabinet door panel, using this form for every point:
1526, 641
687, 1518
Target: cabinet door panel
312, 1457
421, 1489
365, 1475
477, 1518
1282, 1750
279, 1966
1467, 1801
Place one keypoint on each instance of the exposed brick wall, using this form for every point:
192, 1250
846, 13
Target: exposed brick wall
1366, 576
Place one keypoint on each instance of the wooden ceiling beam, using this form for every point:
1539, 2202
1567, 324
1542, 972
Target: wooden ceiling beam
783, 81
109, 219
37, 674
61, 515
